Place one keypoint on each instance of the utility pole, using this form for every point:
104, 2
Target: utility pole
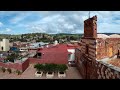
89, 14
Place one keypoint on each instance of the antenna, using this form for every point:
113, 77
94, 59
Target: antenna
89, 14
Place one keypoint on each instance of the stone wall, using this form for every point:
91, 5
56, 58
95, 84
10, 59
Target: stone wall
104, 71
90, 69
89, 44
103, 46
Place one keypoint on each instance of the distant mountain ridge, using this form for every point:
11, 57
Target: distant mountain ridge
55, 34
109, 33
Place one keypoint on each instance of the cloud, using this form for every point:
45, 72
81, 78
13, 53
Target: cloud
5, 31
56, 24
1, 24
60, 21
19, 17
8, 30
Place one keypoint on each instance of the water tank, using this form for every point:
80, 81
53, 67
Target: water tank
6, 44
56, 42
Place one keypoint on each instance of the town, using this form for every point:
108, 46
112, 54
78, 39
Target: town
87, 56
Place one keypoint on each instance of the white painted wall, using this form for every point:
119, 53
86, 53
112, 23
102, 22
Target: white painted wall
0, 46
56, 42
23, 49
5, 44
72, 56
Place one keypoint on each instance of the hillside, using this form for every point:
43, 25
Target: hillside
37, 37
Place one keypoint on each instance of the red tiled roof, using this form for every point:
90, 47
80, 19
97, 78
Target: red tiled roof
58, 48
1, 59
57, 54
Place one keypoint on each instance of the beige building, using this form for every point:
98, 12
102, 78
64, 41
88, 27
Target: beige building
4, 45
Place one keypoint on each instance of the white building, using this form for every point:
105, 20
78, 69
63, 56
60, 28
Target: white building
37, 45
72, 55
23, 49
4, 45
56, 42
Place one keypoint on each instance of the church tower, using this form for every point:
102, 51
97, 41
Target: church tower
90, 27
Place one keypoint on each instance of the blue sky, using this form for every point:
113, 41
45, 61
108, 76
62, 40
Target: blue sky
20, 22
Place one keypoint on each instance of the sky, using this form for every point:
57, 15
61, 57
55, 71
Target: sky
52, 22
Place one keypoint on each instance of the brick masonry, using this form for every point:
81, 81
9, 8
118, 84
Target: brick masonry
93, 50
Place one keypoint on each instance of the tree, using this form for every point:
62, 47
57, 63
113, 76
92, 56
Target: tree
50, 67
9, 70
39, 67
3, 69
12, 57
62, 67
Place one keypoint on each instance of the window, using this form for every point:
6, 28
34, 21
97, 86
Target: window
2, 48
39, 55
69, 56
87, 49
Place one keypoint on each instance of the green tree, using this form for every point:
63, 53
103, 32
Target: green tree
62, 67
39, 67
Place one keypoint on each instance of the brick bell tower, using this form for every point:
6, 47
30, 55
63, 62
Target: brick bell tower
90, 27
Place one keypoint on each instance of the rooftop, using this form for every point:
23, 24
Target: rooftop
56, 54
115, 62
29, 73
104, 36
58, 48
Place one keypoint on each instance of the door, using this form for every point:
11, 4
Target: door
110, 51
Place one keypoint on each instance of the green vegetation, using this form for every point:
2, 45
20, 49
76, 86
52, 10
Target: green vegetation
40, 37
3, 69
43, 37
50, 67
39, 67
12, 57
18, 72
62, 67
9, 70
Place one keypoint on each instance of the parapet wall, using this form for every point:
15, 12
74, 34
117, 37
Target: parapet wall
90, 69
16, 66
105, 72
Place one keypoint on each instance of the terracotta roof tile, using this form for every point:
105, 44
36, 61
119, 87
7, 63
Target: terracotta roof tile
57, 54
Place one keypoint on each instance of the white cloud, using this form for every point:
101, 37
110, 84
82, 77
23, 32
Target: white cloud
21, 16
8, 30
66, 21
55, 24
1, 32
1, 24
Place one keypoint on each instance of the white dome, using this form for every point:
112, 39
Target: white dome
114, 36
104, 36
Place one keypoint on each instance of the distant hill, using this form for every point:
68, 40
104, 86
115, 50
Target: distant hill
44, 36
109, 33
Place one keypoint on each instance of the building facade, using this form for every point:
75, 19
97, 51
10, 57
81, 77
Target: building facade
4, 45
94, 47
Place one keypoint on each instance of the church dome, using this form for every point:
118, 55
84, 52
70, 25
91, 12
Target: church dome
114, 36
104, 36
